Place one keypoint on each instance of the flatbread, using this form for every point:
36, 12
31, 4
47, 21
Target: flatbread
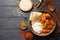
34, 16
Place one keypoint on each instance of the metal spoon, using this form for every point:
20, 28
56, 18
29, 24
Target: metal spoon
52, 8
38, 3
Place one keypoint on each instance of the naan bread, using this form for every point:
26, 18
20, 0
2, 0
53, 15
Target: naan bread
34, 16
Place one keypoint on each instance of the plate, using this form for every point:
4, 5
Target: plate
38, 34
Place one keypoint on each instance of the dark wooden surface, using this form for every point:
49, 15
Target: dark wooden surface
9, 22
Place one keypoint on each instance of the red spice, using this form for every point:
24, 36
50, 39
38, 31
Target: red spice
21, 34
28, 35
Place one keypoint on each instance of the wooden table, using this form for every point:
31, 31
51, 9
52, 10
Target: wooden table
9, 22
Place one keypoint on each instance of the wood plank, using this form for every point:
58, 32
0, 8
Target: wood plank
9, 35
8, 2
10, 12
10, 23
57, 3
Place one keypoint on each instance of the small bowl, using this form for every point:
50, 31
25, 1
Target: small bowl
46, 33
23, 10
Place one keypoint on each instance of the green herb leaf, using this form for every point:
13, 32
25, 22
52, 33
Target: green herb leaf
25, 19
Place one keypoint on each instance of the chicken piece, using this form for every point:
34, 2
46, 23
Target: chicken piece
51, 22
44, 25
50, 27
41, 21
45, 31
47, 21
47, 15
43, 17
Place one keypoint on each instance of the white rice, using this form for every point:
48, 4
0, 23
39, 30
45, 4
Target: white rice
37, 27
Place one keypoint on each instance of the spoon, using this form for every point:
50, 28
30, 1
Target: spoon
37, 4
52, 9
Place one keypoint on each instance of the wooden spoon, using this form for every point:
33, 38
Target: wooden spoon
52, 9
